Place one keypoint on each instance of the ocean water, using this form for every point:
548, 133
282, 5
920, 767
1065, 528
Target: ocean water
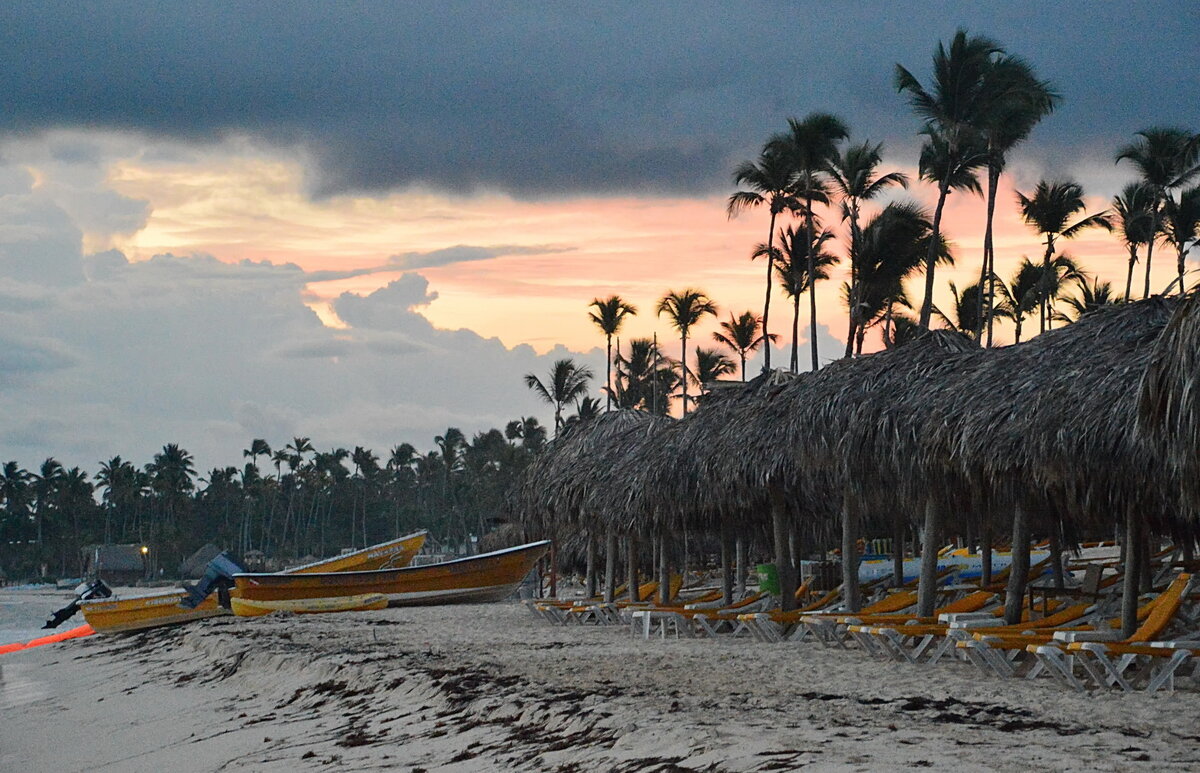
24, 610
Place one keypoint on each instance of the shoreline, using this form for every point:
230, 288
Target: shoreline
490, 687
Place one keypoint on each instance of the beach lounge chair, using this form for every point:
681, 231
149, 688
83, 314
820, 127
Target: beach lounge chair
835, 629
1001, 655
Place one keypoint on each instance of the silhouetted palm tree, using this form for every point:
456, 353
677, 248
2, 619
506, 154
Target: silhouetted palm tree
1181, 224
258, 447
809, 145
1089, 297
770, 180
960, 94
741, 334
45, 484
645, 379
1166, 160
793, 263
965, 319
1132, 221
1022, 295
710, 366
609, 315
567, 383
854, 179
684, 309
1047, 210
15, 491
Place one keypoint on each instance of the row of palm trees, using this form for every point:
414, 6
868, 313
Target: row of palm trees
979, 104
288, 502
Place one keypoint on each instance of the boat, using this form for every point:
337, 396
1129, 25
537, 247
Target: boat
969, 565
486, 577
118, 614
246, 608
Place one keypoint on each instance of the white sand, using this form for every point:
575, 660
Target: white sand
493, 688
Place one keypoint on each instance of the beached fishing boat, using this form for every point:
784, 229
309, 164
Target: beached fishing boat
487, 577
246, 608
118, 614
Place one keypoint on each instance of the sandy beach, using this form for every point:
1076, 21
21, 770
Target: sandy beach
492, 688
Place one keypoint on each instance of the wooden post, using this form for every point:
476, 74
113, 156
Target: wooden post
1129, 599
631, 567
1056, 558
726, 566
554, 570
783, 558
610, 567
850, 591
1145, 572
739, 585
897, 549
1019, 571
664, 573
590, 580
985, 550
927, 590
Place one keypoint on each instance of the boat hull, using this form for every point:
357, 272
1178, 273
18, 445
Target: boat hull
386, 555
970, 566
246, 608
488, 577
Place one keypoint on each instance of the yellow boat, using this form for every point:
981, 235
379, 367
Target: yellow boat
156, 608
487, 577
246, 608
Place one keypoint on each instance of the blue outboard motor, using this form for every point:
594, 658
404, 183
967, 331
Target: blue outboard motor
218, 576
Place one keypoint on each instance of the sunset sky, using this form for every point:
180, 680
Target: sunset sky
364, 222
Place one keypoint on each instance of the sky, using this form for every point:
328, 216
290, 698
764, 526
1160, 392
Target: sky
365, 222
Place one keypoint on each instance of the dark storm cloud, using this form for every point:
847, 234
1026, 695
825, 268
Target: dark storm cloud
544, 99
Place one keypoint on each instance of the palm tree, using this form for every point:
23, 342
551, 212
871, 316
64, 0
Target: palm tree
809, 145
770, 181
893, 249
609, 314
258, 447
1181, 223
14, 490
793, 262
742, 335
45, 484
965, 311
645, 378
568, 382
710, 366
586, 409
854, 179
685, 309
1133, 222
1022, 295
1047, 211
1090, 297
959, 96
1165, 159
530, 432
1020, 100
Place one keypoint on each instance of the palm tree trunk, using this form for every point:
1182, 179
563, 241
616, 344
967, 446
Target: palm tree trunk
812, 286
1056, 558
608, 376
554, 569
897, 550
1150, 245
931, 258
783, 558
853, 295
986, 271
590, 579
1129, 600
927, 590
1129, 276
631, 567
850, 552
743, 356
683, 368
726, 565
985, 550
1180, 267
739, 569
1018, 572
610, 567
795, 364
767, 300
664, 573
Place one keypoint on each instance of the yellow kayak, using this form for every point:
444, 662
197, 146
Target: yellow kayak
247, 608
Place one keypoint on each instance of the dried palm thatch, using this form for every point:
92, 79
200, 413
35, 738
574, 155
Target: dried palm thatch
1169, 407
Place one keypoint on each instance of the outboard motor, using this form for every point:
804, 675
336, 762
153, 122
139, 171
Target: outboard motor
218, 576
96, 589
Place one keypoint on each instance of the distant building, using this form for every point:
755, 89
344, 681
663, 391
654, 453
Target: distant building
193, 567
115, 564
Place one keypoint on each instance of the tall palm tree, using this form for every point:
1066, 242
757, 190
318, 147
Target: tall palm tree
684, 309
770, 180
793, 263
1022, 295
854, 179
567, 382
710, 366
45, 484
258, 447
1019, 100
952, 107
1181, 223
1048, 210
609, 315
965, 319
15, 491
741, 334
1132, 221
645, 378
1166, 159
809, 145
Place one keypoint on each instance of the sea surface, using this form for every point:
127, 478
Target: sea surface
23, 610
